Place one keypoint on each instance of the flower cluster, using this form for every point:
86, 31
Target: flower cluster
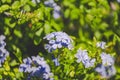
106, 69
102, 44
58, 40
82, 56
37, 67
3, 52
56, 11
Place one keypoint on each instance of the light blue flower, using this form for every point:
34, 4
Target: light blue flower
36, 67
89, 62
102, 44
25, 67
46, 76
56, 8
55, 60
58, 40
38, 60
2, 38
107, 60
49, 3
102, 70
106, 71
27, 61
3, 52
48, 47
2, 42
56, 12
82, 56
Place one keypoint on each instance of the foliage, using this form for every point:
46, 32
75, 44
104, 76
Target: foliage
25, 23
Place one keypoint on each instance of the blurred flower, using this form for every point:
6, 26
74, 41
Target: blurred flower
55, 60
82, 56
58, 40
2, 42
106, 71
107, 60
56, 14
3, 52
118, 1
56, 11
37, 67
101, 45
25, 67
49, 3
36, 1
89, 62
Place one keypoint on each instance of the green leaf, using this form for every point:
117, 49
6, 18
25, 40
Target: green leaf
3, 1
16, 5
1, 77
18, 33
4, 7
13, 63
17, 52
37, 40
27, 8
8, 22
7, 31
58, 27
108, 33
67, 13
74, 14
39, 32
93, 4
47, 28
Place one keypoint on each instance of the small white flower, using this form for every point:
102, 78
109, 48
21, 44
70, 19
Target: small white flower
54, 46
82, 56
101, 69
56, 14
107, 60
102, 45
52, 42
2, 37
89, 63
106, 71
57, 8
52, 4
27, 61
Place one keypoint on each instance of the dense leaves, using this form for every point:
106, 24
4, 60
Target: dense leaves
92, 25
